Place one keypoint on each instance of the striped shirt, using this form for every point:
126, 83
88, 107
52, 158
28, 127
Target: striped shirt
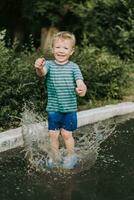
61, 84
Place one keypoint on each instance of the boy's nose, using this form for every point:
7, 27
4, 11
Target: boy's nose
61, 49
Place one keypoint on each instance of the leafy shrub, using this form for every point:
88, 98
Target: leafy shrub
105, 74
108, 23
18, 85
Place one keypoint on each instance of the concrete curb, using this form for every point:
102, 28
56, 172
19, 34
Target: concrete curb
13, 138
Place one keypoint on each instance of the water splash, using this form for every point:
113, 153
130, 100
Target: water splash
36, 141
37, 146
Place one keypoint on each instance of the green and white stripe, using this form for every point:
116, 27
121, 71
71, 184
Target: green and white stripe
61, 84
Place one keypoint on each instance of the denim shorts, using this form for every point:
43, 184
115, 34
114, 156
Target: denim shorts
58, 120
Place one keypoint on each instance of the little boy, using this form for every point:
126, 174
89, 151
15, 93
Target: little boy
64, 80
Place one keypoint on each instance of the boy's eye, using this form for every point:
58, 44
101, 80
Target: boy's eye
66, 48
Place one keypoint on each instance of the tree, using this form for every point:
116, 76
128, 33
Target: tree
21, 18
106, 23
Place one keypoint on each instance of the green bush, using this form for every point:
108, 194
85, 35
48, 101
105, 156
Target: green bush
105, 74
19, 84
107, 23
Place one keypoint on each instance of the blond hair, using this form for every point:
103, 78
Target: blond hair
64, 35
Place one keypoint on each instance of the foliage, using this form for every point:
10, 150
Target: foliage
19, 84
109, 24
106, 75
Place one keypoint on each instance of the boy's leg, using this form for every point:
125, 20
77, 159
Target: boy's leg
54, 131
68, 126
54, 142
69, 141
70, 160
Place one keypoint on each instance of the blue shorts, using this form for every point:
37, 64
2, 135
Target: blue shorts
58, 120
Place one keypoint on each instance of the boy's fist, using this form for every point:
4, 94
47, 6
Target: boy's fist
39, 63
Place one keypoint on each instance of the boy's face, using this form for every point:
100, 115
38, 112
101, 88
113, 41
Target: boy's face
62, 50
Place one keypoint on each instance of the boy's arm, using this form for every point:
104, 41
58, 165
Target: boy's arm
81, 88
39, 65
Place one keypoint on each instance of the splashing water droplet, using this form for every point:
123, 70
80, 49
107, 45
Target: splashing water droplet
37, 146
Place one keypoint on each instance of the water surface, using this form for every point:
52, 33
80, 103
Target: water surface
110, 177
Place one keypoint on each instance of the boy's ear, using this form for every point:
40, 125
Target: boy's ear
73, 49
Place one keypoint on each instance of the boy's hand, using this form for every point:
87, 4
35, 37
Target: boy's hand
39, 63
81, 88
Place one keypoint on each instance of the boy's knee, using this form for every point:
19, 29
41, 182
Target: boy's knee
66, 134
54, 134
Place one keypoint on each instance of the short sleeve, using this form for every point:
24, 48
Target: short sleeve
77, 72
47, 66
